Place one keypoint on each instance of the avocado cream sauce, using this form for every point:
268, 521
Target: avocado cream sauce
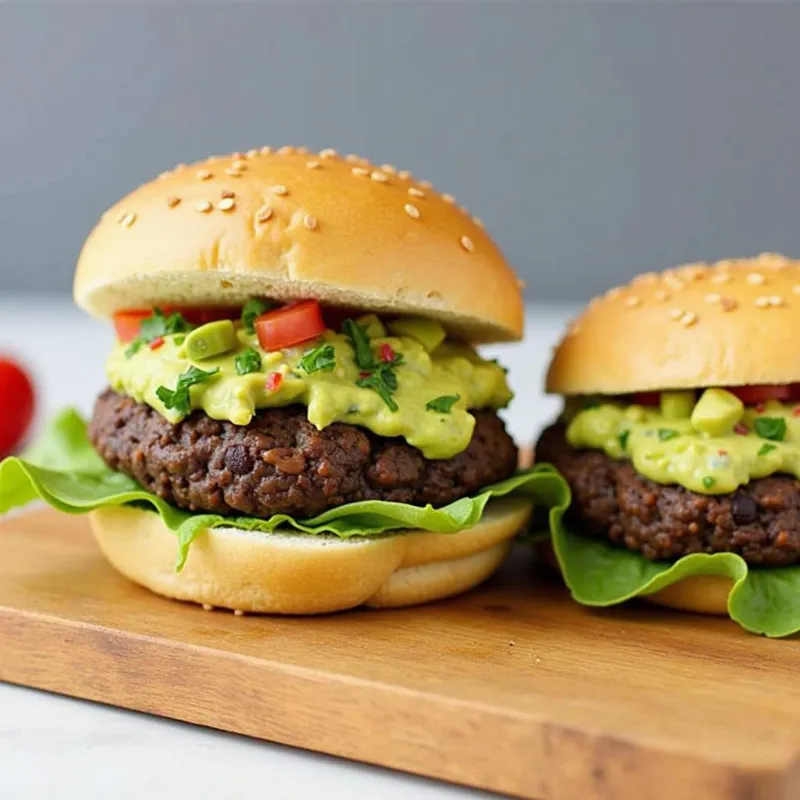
710, 446
331, 395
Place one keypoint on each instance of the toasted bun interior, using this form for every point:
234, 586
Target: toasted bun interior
290, 573
733, 323
289, 224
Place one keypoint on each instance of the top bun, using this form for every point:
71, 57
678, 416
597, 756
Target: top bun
289, 224
733, 323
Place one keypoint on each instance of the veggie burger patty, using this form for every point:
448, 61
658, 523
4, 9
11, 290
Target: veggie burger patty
760, 521
280, 463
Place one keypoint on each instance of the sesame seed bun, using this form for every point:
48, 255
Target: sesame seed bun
289, 224
290, 573
733, 323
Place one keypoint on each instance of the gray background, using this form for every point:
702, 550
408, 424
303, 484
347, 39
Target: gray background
596, 140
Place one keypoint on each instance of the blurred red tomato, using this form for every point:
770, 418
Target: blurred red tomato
16, 406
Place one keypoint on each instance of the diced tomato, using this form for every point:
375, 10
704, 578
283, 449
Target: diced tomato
17, 403
753, 395
156, 343
126, 323
289, 325
273, 382
647, 398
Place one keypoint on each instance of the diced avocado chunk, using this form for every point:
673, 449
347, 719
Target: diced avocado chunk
211, 339
426, 331
716, 412
372, 326
677, 405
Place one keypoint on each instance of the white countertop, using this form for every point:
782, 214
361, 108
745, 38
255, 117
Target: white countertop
57, 747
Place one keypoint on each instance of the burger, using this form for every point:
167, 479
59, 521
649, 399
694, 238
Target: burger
680, 441
296, 420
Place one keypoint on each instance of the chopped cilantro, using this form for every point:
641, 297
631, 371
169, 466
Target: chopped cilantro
250, 310
443, 404
178, 398
773, 428
767, 448
155, 326
708, 481
247, 361
319, 358
665, 434
623, 439
384, 382
360, 342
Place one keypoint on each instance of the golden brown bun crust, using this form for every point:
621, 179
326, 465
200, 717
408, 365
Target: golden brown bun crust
296, 574
701, 594
299, 225
733, 323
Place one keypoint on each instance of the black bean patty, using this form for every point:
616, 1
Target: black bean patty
280, 463
759, 521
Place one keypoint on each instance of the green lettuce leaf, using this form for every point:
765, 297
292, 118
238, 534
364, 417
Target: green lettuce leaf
63, 469
765, 601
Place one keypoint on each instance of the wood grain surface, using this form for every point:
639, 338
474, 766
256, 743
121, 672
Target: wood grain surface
512, 687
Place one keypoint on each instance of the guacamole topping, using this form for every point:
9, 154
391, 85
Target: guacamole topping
394, 385
710, 445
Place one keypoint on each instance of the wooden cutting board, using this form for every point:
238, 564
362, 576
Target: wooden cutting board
512, 687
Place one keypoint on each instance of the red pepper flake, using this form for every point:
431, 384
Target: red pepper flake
760, 408
742, 430
387, 354
274, 381
796, 412
156, 343
363, 374
722, 452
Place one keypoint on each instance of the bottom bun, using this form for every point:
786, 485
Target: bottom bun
701, 594
293, 573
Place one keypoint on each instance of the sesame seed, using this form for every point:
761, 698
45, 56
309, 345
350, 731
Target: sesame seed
633, 300
762, 302
263, 214
776, 300
352, 158
239, 164
237, 154
285, 150
616, 291
691, 272
404, 174
233, 172
207, 607
467, 244
265, 150
313, 165
129, 219
237, 612
310, 222
674, 283
676, 313
204, 206
121, 216
173, 201
412, 211
414, 192
388, 169
647, 278
712, 298
661, 295
728, 304
721, 277
203, 174
163, 175
251, 153
478, 221
688, 319
328, 152
360, 172
280, 190
448, 198
227, 193
226, 204
379, 176
425, 184
756, 278
301, 150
